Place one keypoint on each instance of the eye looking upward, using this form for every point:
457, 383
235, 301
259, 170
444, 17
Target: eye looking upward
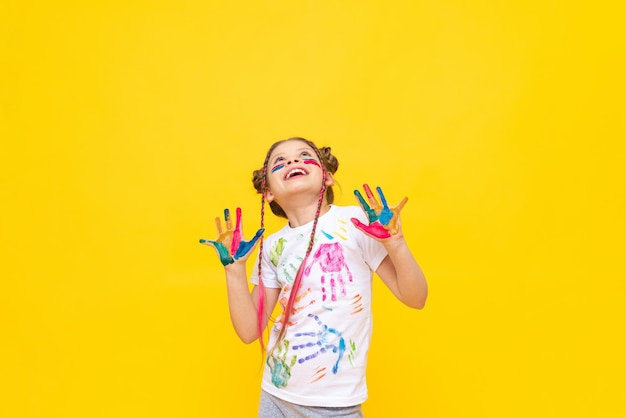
304, 155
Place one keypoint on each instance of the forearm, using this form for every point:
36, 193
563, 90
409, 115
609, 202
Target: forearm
410, 284
241, 303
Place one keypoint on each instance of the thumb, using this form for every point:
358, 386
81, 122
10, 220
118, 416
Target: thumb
246, 247
359, 225
375, 230
222, 252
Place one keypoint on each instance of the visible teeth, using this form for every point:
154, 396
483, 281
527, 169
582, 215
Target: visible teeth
296, 171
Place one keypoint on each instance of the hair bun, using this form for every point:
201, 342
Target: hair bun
331, 162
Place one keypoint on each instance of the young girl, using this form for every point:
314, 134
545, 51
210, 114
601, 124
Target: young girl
319, 267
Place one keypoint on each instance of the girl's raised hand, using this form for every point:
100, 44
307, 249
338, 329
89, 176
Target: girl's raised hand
383, 220
229, 244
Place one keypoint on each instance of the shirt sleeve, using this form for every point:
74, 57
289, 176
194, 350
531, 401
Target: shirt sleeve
268, 271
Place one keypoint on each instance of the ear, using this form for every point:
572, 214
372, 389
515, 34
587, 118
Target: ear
269, 196
330, 180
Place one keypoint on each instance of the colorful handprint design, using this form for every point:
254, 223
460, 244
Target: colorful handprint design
332, 263
280, 366
229, 244
383, 220
325, 340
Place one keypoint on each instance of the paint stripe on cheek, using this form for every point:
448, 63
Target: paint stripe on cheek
314, 162
277, 167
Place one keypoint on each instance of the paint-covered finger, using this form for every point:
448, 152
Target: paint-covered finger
371, 214
400, 205
237, 234
247, 246
385, 215
362, 202
210, 243
229, 223
218, 225
375, 229
370, 197
222, 251
357, 223
382, 197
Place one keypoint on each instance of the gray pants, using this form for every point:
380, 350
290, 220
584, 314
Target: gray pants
272, 407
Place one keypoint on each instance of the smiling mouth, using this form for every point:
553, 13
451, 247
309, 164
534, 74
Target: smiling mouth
296, 172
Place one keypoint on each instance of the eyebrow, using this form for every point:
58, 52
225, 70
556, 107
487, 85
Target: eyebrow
298, 150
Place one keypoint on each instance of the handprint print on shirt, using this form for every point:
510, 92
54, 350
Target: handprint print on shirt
229, 244
383, 220
332, 263
303, 299
324, 340
277, 250
280, 366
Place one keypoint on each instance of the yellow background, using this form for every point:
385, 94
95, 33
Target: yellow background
127, 126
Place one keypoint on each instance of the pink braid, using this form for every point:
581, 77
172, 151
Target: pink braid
299, 275
261, 285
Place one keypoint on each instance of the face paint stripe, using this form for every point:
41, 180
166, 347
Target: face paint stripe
314, 162
277, 167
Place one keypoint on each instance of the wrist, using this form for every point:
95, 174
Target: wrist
235, 267
394, 242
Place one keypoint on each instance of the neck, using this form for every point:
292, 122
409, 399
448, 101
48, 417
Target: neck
302, 215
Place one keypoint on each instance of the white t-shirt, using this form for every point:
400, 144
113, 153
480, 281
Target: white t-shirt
322, 359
